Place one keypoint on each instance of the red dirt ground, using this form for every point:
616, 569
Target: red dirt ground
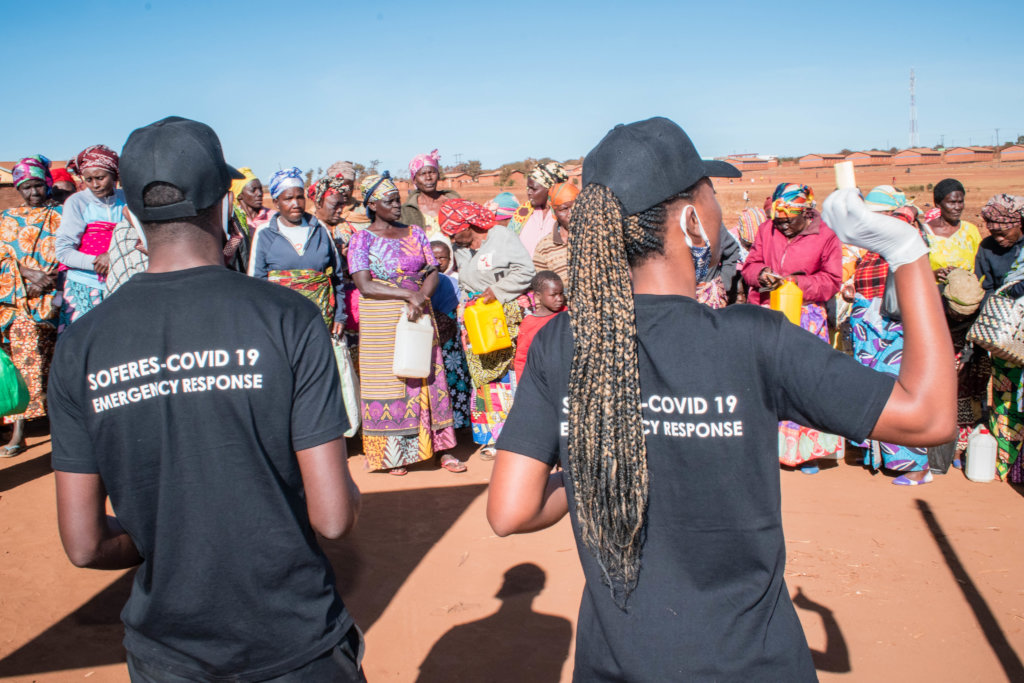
914, 584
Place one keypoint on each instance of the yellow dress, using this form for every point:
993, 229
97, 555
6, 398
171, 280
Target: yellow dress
956, 251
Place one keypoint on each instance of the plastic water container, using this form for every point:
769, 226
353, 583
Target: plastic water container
487, 328
981, 456
789, 299
414, 342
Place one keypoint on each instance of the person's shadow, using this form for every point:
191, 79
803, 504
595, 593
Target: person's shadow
513, 644
836, 656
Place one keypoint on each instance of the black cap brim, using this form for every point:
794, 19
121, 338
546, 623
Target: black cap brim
235, 175
721, 169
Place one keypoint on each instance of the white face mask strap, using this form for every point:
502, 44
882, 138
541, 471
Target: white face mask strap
700, 224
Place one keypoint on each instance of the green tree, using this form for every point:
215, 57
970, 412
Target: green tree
1020, 139
473, 168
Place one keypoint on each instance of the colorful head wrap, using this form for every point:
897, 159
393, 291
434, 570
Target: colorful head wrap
345, 170
456, 215
61, 175
791, 199
946, 187
750, 220
376, 187
32, 168
421, 160
238, 185
503, 206
319, 190
885, 198
96, 156
285, 179
1004, 208
931, 214
562, 193
549, 174
907, 214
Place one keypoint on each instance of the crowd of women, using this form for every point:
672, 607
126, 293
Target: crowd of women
367, 258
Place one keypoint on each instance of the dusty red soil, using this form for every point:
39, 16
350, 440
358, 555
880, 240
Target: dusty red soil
900, 583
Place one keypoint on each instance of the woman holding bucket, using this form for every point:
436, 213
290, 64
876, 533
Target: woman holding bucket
405, 420
493, 266
796, 245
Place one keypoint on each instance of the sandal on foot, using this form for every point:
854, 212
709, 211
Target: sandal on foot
452, 464
809, 469
398, 471
488, 453
11, 451
903, 480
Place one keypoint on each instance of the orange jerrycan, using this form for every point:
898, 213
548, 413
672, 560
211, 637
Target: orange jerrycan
487, 328
788, 298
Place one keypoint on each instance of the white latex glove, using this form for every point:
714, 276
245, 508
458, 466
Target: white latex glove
895, 241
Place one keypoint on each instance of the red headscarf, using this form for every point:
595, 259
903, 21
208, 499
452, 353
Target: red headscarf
61, 175
96, 156
457, 215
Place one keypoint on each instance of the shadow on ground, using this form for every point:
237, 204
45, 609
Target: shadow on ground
835, 658
513, 644
25, 471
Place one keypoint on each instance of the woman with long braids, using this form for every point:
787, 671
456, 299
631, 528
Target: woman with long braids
663, 414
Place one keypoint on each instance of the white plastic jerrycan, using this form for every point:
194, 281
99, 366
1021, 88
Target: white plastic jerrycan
413, 345
981, 456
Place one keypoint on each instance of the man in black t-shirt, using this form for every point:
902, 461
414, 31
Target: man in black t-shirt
207, 406
663, 414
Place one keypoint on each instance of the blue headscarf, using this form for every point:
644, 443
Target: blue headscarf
284, 179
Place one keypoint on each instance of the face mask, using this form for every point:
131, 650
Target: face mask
701, 255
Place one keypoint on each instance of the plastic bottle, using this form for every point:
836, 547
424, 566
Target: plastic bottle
414, 342
487, 328
787, 298
981, 456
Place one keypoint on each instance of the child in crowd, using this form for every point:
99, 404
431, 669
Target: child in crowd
549, 293
444, 301
443, 254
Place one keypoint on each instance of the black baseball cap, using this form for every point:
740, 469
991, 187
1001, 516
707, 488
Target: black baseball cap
646, 162
181, 152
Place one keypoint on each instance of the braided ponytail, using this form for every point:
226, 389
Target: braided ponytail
607, 451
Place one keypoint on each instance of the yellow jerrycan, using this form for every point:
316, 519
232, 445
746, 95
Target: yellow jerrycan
788, 298
487, 328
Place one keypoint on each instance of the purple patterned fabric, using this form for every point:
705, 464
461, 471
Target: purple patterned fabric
398, 261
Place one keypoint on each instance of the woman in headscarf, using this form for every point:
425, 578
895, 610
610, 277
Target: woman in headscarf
493, 265
1000, 263
953, 243
423, 203
332, 201
83, 239
296, 251
247, 217
796, 245
878, 342
28, 282
534, 218
63, 185
405, 421
503, 206
552, 252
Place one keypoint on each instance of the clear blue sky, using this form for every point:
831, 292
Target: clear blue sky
307, 83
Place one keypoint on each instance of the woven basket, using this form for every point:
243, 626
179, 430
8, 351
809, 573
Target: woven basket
999, 328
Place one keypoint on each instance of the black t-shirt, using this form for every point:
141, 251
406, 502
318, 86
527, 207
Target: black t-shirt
711, 602
189, 392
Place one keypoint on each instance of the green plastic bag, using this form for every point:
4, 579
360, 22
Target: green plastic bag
13, 390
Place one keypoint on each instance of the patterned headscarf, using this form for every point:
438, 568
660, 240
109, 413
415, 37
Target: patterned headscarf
345, 170
319, 190
285, 179
457, 215
751, 219
907, 214
32, 168
61, 175
503, 206
238, 185
791, 199
421, 160
376, 187
562, 193
885, 198
1004, 208
96, 156
549, 174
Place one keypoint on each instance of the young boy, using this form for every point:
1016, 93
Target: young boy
549, 293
